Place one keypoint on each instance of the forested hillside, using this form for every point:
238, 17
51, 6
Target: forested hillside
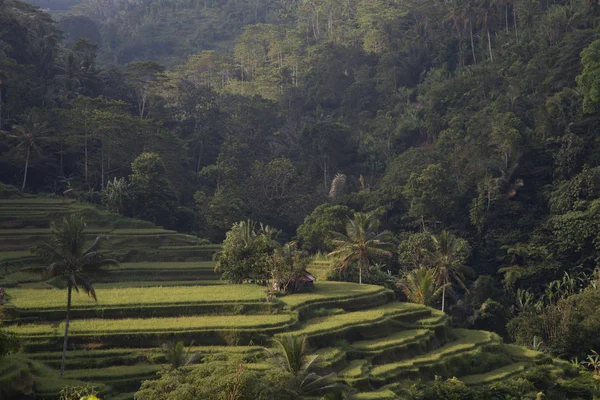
479, 117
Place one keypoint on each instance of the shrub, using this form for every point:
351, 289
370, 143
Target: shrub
246, 253
452, 389
78, 392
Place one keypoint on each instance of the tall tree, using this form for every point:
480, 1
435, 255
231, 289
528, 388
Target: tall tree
30, 135
447, 256
361, 243
70, 262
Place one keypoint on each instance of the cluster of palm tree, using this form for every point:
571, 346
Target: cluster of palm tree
443, 267
443, 264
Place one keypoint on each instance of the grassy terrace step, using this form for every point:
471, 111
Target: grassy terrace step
55, 298
494, 375
140, 302
15, 367
397, 339
356, 373
385, 394
395, 347
84, 359
466, 341
359, 324
89, 231
149, 332
159, 283
344, 295
330, 358
119, 372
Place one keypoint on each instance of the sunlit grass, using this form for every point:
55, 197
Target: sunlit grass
205, 265
338, 321
494, 375
467, 340
396, 339
153, 325
159, 295
331, 290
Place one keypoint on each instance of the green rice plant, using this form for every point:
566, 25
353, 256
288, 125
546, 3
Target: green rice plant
379, 395
396, 339
467, 340
331, 324
121, 371
98, 327
164, 266
494, 375
146, 296
149, 283
330, 291
355, 369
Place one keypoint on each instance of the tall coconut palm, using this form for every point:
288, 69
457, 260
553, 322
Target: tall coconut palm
361, 243
447, 256
419, 286
291, 354
29, 134
70, 262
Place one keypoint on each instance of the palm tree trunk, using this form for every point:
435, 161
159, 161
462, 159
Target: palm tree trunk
26, 167
443, 297
87, 182
360, 274
64, 355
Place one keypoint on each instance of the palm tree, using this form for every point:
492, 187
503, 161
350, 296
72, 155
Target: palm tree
447, 257
177, 355
360, 243
30, 133
291, 355
419, 286
70, 262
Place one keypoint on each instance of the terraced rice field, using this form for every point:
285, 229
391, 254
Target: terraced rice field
166, 289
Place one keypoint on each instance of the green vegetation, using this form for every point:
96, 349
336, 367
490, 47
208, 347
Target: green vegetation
99, 327
465, 130
31, 298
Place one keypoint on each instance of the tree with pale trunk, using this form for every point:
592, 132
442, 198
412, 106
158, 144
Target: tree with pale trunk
71, 261
361, 244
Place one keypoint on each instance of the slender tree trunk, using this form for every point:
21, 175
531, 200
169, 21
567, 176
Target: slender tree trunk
515, 19
62, 169
506, 16
360, 274
102, 164
66, 339
443, 297
26, 168
490, 46
87, 182
472, 45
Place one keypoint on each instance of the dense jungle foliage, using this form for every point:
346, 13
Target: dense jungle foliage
474, 117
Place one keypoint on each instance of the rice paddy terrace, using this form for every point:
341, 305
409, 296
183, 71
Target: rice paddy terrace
165, 289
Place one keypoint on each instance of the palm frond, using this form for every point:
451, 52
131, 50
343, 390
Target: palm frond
87, 287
